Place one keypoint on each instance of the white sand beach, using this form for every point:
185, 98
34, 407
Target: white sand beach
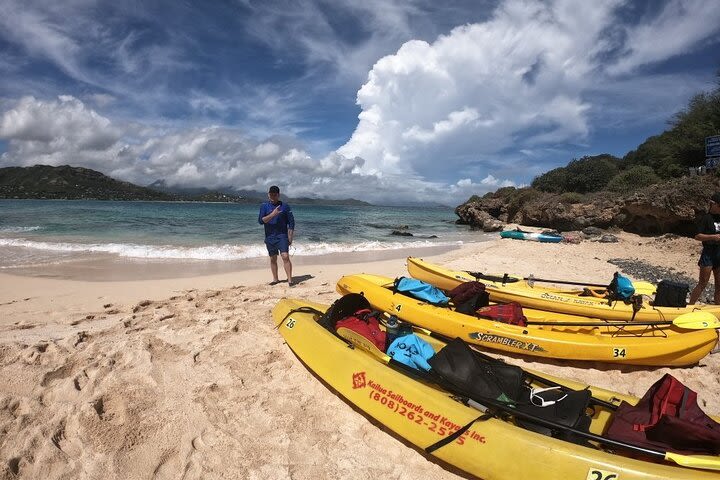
186, 377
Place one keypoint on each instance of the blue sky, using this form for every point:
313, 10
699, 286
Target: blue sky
387, 101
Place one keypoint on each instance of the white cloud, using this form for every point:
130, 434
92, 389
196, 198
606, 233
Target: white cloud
524, 80
486, 102
64, 126
474, 90
266, 149
676, 29
66, 131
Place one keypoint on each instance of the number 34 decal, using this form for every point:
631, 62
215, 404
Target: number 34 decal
594, 474
619, 352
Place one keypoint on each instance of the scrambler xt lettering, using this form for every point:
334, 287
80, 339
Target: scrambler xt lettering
412, 411
506, 341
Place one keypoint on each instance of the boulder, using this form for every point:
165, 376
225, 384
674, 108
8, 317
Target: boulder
671, 207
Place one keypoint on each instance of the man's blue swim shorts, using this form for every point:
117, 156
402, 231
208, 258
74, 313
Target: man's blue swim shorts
277, 243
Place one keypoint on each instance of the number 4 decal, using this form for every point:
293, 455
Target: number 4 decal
594, 474
619, 352
398, 307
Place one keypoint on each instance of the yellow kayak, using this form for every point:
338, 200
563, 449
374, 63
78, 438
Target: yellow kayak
548, 298
595, 340
422, 413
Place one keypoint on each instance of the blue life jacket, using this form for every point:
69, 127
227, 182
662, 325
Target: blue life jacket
421, 291
412, 351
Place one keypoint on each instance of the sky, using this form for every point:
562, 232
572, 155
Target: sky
387, 101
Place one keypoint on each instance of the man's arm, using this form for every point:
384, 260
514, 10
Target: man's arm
708, 237
290, 223
274, 213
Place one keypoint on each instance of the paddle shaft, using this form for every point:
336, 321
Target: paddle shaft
565, 282
597, 324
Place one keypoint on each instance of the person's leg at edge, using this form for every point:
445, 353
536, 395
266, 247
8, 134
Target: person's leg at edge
702, 283
274, 267
716, 278
287, 265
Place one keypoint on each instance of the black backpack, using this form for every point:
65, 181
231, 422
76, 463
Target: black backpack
671, 294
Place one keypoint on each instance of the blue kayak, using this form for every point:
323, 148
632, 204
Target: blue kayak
536, 237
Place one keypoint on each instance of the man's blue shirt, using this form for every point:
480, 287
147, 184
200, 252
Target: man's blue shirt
280, 224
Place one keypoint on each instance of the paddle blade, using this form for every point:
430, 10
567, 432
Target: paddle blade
706, 462
644, 288
697, 320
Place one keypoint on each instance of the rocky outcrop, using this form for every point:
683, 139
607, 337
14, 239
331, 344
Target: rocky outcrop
670, 207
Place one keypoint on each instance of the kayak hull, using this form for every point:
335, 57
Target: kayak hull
631, 344
535, 237
422, 414
551, 299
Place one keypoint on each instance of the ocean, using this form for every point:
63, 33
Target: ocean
34, 233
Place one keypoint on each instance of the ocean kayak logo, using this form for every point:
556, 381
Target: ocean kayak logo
359, 380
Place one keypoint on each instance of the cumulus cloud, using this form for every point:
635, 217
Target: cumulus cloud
522, 81
55, 132
474, 90
66, 131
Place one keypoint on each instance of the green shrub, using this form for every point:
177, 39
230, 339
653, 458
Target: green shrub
588, 174
521, 197
632, 179
569, 198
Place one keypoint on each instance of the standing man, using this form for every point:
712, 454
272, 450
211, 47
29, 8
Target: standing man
279, 224
709, 235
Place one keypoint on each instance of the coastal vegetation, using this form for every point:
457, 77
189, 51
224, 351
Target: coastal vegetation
654, 188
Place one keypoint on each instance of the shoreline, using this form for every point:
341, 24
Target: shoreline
188, 376
113, 268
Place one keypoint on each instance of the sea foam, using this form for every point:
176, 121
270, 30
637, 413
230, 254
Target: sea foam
211, 252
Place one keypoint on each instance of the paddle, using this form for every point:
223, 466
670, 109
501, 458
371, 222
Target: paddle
705, 462
697, 320
644, 288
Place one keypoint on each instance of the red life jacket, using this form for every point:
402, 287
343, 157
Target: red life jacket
511, 313
667, 417
365, 323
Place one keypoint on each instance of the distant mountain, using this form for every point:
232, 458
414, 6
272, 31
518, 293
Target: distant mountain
77, 183
70, 183
249, 196
204, 194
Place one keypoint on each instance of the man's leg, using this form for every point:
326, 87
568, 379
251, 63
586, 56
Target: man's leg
702, 283
716, 278
274, 267
287, 265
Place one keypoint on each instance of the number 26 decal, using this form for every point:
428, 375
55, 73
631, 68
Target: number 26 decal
290, 323
594, 474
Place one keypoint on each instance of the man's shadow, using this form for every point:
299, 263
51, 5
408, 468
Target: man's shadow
301, 278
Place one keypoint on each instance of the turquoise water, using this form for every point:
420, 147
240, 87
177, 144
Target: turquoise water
36, 232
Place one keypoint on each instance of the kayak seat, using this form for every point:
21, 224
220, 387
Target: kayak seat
458, 368
342, 308
569, 409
